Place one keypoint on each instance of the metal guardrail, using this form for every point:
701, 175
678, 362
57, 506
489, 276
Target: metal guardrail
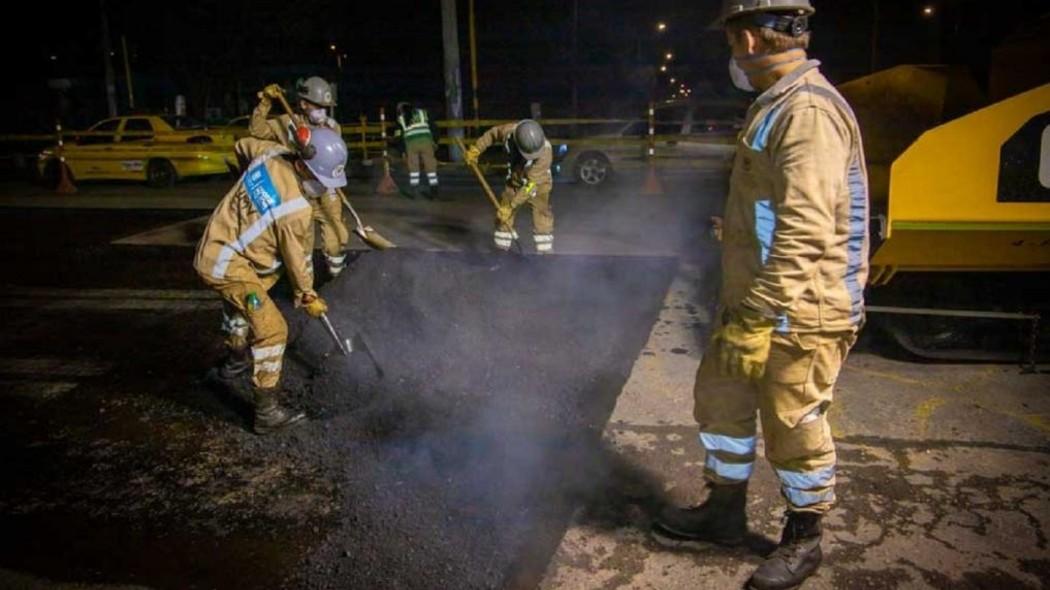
368, 136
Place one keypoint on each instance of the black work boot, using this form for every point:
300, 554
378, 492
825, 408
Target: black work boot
233, 368
795, 559
270, 416
721, 518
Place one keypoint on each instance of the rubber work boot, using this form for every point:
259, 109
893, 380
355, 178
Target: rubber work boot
270, 416
721, 518
795, 559
236, 364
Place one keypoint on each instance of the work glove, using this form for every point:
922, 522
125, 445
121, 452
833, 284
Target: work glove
273, 91
314, 306
472, 155
742, 343
503, 214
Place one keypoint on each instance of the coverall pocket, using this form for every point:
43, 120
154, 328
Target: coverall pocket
791, 359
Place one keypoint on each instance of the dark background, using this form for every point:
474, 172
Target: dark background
218, 53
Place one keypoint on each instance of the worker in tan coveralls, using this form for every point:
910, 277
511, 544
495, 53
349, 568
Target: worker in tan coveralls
259, 230
794, 264
314, 96
529, 181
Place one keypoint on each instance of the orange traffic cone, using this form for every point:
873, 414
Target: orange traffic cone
387, 186
652, 186
65, 184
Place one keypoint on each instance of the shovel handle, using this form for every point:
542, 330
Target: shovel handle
477, 174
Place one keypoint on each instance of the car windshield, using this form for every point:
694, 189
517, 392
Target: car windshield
182, 122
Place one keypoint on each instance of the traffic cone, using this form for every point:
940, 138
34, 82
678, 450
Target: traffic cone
65, 184
387, 186
652, 186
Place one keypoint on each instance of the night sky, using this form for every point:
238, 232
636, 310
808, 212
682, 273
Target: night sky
219, 52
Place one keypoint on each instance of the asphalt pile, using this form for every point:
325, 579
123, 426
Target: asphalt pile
463, 425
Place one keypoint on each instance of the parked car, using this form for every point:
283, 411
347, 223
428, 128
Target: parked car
686, 131
146, 148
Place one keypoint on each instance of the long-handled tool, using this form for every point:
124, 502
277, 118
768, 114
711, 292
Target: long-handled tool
488, 190
345, 346
367, 233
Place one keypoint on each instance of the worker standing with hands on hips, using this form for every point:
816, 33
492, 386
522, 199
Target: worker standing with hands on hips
314, 98
259, 230
417, 138
529, 181
794, 264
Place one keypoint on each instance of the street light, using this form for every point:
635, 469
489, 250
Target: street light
672, 80
663, 68
668, 56
927, 11
661, 27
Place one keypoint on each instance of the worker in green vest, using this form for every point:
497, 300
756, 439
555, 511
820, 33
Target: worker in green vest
413, 128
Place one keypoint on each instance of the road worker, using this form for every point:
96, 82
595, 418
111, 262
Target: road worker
259, 231
794, 265
314, 97
529, 181
413, 129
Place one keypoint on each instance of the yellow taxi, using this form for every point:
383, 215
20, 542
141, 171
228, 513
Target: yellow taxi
144, 148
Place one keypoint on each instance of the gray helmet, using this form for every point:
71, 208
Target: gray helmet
314, 89
529, 138
325, 154
734, 8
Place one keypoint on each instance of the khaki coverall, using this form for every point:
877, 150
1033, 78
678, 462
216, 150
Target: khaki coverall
259, 228
795, 248
327, 208
528, 181
419, 147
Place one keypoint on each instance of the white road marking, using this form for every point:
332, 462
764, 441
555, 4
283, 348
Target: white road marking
53, 367
45, 390
110, 299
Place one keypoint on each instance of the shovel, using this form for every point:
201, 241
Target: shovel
369, 235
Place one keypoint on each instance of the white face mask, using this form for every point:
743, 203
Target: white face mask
314, 188
739, 77
317, 116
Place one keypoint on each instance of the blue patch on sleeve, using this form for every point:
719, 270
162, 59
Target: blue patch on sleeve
765, 226
260, 189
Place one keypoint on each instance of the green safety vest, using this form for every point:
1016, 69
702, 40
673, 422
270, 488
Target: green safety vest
418, 128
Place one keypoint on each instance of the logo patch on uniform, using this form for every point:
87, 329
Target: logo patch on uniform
261, 191
339, 171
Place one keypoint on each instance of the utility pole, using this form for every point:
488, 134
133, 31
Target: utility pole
575, 63
127, 72
474, 65
874, 35
453, 82
107, 50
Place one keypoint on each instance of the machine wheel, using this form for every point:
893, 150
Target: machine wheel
160, 174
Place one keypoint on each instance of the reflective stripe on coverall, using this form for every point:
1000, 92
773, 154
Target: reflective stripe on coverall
259, 228
528, 181
796, 249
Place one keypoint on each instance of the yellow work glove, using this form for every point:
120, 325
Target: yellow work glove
314, 306
273, 91
472, 155
503, 214
742, 343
